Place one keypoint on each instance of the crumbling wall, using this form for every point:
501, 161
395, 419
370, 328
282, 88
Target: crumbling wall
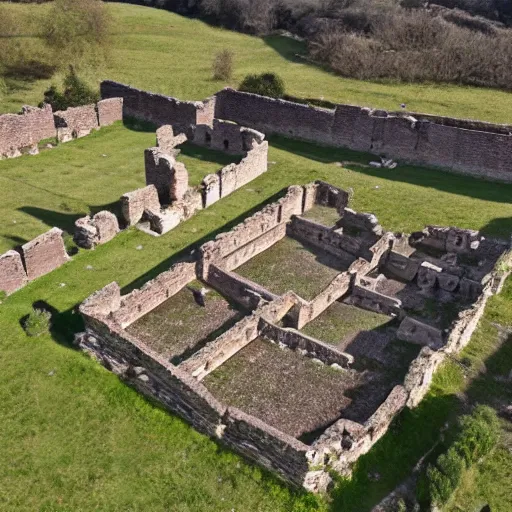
134, 204
169, 177
12, 273
243, 291
157, 108
346, 248
308, 345
109, 111
22, 132
218, 351
167, 141
44, 253
100, 229
75, 122
141, 301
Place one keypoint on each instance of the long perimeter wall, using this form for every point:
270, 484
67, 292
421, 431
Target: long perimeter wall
470, 147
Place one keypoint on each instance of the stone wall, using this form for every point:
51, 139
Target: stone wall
109, 111
469, 147
157, 108
243, 291
134, 204
272, 116
346, 248
22, 132
251, 229
12, 272
143, 300
75, 122
96, 230
169, 177
44, 253
306, 344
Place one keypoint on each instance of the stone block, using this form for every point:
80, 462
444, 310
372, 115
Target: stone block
12, 272
417, 332
402, 267
44, 254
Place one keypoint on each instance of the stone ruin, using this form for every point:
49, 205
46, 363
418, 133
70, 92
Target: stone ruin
168, 199
245, 365
463, 146
21, 133
34, 259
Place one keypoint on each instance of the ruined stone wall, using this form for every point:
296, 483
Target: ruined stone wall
75, 122
182, 394
243, 291
308, 345
233, 176
273, 116
157, 108
44, 253
12, 272
345, 247
22, 132
469, 147
134, 204
109, 111
218, 351
141, 301
261, 223
96, 230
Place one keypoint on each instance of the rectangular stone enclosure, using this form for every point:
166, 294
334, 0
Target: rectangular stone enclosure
296, 342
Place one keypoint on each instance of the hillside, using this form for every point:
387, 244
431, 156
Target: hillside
160, 51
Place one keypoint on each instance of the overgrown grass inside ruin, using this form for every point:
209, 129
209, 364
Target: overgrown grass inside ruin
161, 51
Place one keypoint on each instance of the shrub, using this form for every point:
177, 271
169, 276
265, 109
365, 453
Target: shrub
37, 322
266, 84
76, 92
477, 435
223, 65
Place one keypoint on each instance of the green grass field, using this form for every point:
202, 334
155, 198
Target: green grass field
73, 437
160, 51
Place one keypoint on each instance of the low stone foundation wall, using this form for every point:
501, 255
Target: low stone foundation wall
35, 259
306, 344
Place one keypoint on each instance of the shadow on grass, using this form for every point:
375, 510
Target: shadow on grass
210, 155
136, 125
415, 175
66, 221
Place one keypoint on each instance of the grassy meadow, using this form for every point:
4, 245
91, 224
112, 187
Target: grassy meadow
75, 438
166, 53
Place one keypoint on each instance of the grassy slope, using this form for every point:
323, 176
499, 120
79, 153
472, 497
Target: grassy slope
79, 439
162, 52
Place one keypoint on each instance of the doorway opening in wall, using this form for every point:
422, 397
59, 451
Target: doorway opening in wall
226, 144
208, 138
